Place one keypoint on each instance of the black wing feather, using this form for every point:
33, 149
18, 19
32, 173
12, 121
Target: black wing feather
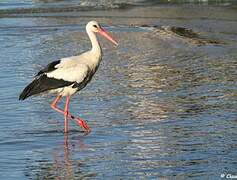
42, 84
50, 67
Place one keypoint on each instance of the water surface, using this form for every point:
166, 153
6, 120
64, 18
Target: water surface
160, 105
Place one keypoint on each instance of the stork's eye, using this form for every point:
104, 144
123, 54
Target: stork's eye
95, 26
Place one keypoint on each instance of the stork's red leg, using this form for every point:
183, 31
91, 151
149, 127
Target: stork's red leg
54, 104
79, 121
66, 114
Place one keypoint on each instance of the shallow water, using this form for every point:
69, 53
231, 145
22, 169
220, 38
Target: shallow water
160, 106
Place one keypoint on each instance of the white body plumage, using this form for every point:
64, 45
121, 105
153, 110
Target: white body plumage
75, 69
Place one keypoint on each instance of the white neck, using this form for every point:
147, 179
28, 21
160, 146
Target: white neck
94, 43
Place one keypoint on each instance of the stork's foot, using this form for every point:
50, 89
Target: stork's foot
82, 124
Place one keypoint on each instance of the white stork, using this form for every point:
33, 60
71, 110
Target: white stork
68, 75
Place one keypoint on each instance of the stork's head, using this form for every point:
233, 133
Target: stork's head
95, 27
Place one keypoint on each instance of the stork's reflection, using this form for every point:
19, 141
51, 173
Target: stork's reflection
64, 166
67, 161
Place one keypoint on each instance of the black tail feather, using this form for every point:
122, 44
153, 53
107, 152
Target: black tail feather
29, 90
42, 84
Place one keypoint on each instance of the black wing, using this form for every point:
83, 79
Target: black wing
42, 84
50, 67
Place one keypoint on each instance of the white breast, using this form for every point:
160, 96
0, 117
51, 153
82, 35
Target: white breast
76, 68
76, 73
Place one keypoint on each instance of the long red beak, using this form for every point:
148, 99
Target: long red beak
102, 32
